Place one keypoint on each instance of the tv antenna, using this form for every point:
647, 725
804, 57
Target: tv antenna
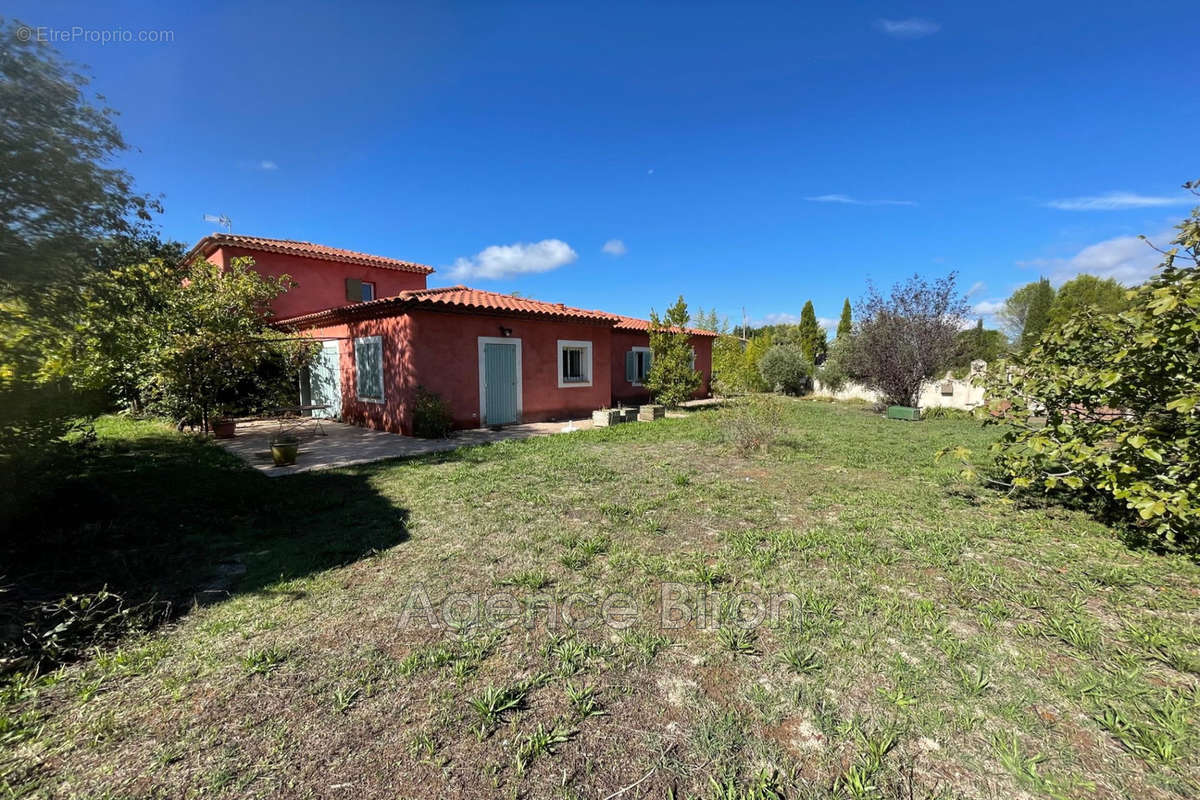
222, 220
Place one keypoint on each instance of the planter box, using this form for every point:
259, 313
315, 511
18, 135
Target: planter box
651, 413
629, 415
606, 417
904, 412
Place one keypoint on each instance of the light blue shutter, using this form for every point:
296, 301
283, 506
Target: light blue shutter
631, 366
368, 368
647, 362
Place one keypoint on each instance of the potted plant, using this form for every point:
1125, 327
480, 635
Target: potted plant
284, 448
223, 427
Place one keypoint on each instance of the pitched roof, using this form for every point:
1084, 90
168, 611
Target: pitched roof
643, 326
453, 298
290, 247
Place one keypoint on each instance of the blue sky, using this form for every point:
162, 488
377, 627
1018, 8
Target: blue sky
744, 154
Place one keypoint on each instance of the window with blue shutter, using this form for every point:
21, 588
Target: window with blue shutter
368, 368
637, 365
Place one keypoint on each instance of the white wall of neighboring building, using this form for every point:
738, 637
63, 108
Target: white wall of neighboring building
948, 392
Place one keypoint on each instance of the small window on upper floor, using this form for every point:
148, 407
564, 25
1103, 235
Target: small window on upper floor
359, 291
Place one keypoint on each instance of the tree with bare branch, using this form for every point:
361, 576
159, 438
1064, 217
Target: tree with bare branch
904, 339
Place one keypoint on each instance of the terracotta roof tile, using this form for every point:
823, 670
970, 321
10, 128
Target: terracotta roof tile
643, 326
455, 298
306, 249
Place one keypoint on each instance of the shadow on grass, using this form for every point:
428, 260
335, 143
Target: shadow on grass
167, 520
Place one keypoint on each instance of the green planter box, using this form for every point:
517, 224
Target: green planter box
904, 412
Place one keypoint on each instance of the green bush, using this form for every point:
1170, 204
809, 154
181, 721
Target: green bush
753, 423
1107, 406
431, 418
785, 369
735, 365
835, 373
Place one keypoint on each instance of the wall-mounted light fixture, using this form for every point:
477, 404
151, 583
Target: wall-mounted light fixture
505, 331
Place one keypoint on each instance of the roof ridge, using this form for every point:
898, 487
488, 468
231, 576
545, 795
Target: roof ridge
303, 249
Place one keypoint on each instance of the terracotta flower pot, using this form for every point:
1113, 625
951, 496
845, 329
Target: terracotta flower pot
224, 428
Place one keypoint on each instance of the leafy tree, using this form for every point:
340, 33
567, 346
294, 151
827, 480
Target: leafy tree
1102, 295
838, 368
904, 339
735, 364
672, 378
785, 368
64, 210
209, 350
846, 323
1037, 315
102, 348
811, 336
1107, 406
61, 195
1027, 312
756, 348
978, 344
709, 321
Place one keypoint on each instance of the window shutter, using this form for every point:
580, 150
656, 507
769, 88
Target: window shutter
631, 366
368, 368
354, 290
649, 361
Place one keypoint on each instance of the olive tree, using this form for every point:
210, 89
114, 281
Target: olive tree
786, 368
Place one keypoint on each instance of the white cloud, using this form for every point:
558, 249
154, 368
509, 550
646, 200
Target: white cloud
1116, 201
615, 247
503, 260
985, 308
780, 318
827, 323
846, 199
268, 165
976, 288
1126, 259
912, 28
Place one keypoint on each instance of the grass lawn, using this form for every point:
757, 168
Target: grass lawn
929, 640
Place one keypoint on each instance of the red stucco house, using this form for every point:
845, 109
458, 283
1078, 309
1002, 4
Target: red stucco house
493, 358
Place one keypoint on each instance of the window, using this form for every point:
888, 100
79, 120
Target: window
637, 365
368, 369
574, 363
693, 358
359, 291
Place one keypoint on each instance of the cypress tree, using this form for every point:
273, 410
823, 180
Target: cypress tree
846, 323
812, 337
